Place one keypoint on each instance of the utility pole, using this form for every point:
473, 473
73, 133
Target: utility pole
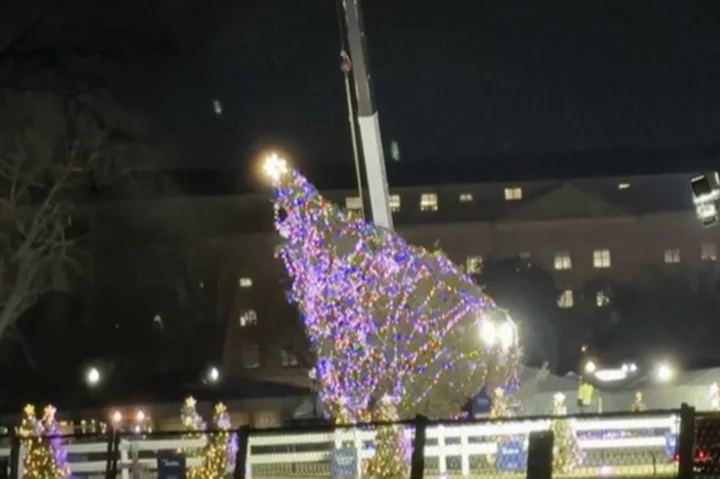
368, 117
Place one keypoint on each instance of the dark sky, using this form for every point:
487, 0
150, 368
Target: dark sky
455, 82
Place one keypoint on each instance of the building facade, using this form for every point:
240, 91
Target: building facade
609, 250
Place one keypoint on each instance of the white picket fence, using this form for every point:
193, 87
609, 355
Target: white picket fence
452, 440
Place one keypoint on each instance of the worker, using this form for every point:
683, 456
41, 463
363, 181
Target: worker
585, 396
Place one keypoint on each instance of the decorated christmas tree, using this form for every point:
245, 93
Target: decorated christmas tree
194, 429
392, 450
385, 317
566, 452
638, 404
45, 456
215, 454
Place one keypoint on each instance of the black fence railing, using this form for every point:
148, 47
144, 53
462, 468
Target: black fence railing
664, 444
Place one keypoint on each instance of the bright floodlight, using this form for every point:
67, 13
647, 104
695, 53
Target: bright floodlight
140, 416
275, 167
487, 332
213, 375
664, 372
590, 367
506, 334
92, 377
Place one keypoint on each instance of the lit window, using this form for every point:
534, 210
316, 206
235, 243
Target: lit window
248, 318
708, 252
288, 359
513, 194
601, 258
466, 198
623, 186
428, 202
394, 203
250, 356
566, 300
353, 203
601, 299
245, 282
563, 260
672, 255
473, 264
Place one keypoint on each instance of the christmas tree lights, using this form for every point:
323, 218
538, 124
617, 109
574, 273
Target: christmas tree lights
45, 456
216, 452
566, 450
391, 459
385, 317
195, 429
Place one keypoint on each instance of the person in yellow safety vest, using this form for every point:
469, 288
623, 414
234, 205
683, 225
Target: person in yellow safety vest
585, 395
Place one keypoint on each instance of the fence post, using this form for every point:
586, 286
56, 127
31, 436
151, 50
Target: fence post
540, 455
243, 443
417, 461
686, 442
14, 456
111, 455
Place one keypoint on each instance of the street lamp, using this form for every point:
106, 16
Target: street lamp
664, 372
93, 376
590, 367
213, 375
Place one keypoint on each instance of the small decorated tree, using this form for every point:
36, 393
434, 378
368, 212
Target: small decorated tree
194, 429
215, 454
566, 452
638, 404
499, 409
45, 457
391, 458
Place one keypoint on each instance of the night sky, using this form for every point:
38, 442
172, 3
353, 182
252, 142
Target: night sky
464, 88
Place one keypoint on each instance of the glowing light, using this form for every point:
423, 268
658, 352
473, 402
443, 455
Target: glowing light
590, 367
140, 416
488, 334
275, 167
116, 417
664, 372
213, 375
92, 376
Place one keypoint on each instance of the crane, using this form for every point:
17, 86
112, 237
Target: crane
367, 116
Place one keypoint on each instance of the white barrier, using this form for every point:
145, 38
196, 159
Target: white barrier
460, 434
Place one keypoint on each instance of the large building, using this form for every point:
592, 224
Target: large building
620, 263
606, 245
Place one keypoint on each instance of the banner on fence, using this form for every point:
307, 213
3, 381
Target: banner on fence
345, 463
171, 465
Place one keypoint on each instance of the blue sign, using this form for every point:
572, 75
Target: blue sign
511, 456
171, 465
481, 403
671, 441
345, 463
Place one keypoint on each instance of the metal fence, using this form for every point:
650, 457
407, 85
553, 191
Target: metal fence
672, 443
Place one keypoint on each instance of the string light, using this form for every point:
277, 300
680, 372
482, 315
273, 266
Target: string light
392, 449
215, 459
46, 457
384, 317
194, 428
